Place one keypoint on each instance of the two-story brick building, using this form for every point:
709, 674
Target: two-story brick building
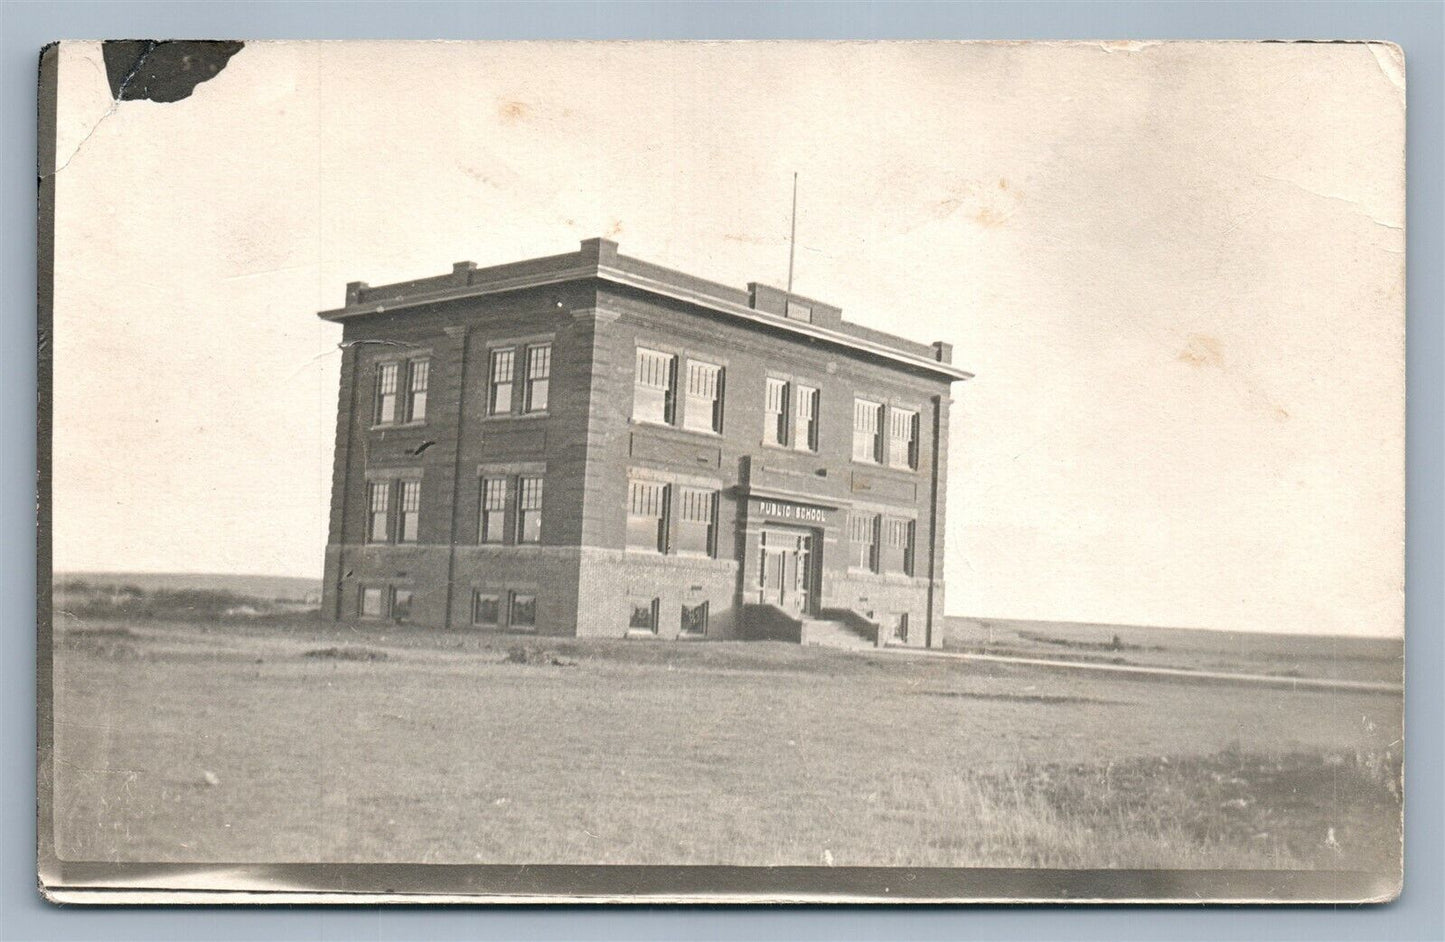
590, 444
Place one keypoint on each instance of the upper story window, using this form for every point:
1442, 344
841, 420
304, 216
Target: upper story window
409, 512
863, 540
418, 377
493, 525
539, 377
897, 551
502, 379
529, 510
386, 389
805, 428
703, 408
511, 508
903, 439
404, 525
696, 522
775, 413
653, 387
647, 516
867, 431
397, 403
378, 528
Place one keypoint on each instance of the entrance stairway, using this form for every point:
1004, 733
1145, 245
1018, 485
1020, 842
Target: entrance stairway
830, 633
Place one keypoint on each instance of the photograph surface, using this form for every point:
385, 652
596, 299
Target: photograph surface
713, 471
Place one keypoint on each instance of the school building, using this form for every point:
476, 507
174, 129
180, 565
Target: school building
589, 444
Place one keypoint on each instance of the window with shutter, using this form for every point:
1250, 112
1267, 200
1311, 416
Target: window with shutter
697, 512
805, 430
652, 389
647, 516
775, 409
867, 431
703, 407
903, 438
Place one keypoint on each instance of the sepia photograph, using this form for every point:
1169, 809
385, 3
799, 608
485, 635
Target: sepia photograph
722, 471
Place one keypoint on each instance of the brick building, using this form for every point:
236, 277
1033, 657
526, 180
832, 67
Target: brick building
591, 444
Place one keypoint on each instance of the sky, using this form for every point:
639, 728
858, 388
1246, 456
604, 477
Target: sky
1177, 271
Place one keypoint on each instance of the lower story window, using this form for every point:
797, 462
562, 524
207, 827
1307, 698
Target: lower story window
524, 611
372, 600
644, 616
694, 619
486, 608
401, 604
900, 626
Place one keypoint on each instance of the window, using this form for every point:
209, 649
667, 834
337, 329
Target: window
401, 604
805, 429
647, 516
695, 521
867, 431
775, 420
524, 611
390, 407
899, 626
410, 512
418, 376
652, 390
539, 377
694, 619
494, 510
486, 608
863, 535
371, 602
902, 438
529, 510
644, 616
378, 530
703, 411
499, 400
897, 545
797, 311
386, 378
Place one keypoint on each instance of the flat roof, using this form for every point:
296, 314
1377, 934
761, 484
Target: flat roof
598, 259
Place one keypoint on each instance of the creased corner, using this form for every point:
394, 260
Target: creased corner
1391, 60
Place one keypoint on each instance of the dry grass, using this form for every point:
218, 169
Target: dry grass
205, 745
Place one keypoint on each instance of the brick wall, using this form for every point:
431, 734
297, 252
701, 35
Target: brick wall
584, 446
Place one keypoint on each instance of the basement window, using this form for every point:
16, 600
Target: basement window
401, 605
694, 619
370, 604
486, 608
644, 616
524, 611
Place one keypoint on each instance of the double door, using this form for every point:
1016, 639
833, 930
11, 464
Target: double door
788, 571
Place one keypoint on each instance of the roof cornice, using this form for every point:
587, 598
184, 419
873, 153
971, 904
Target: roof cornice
654, 286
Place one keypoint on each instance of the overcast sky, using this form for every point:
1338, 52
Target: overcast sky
1177, 271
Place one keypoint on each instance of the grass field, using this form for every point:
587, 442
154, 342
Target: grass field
249, 741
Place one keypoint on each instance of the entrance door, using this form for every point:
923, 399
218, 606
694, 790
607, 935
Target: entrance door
787, 570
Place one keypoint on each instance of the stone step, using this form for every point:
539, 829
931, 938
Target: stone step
834, 634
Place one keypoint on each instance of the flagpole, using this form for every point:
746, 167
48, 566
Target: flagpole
793, 234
